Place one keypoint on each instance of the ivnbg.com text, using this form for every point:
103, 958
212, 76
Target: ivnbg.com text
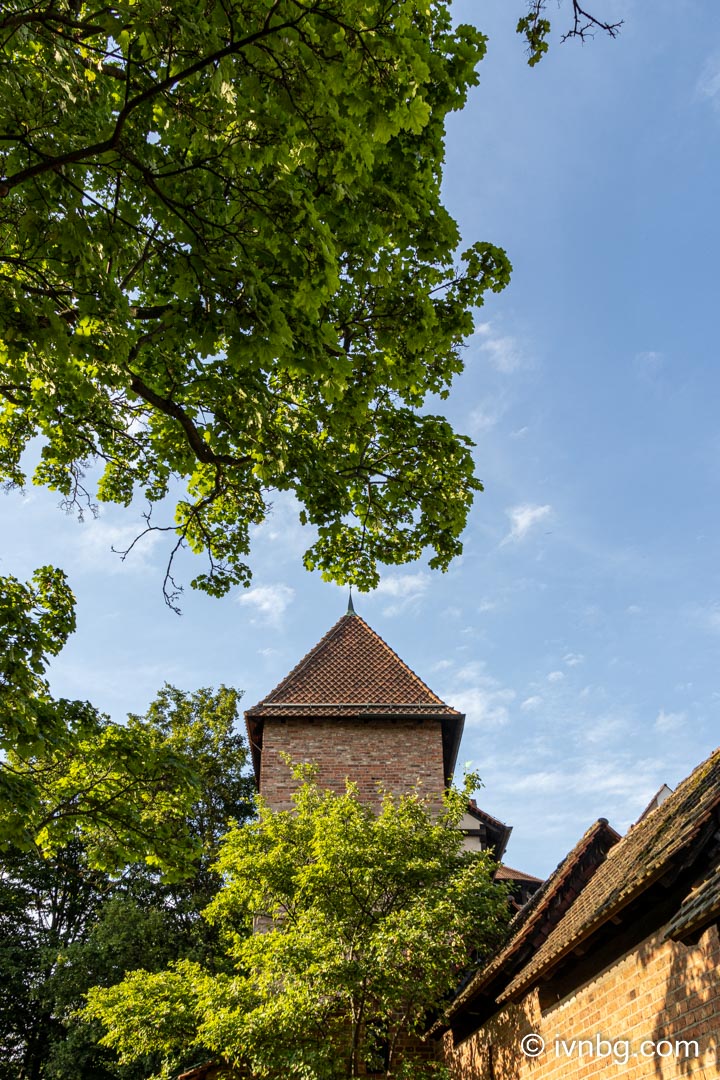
620, 1050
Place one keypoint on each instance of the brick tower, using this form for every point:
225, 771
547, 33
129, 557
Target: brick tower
357, 711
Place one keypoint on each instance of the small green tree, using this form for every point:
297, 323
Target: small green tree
370, 917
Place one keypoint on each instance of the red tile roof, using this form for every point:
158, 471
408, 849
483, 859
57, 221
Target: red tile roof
353, 672
506, 873
530, 927
482, 815
351, 667
644, 855
496, 831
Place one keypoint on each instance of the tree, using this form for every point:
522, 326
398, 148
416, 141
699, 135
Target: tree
370, 917
65, 926
67, 772
226, 269
36, 619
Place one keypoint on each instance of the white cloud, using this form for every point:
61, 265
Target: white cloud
610, 780
99, 543
519, 433
269, 602
648, 364
573, 659
483, 419
602, 729
483, 705
708, 85
482, 698
533, 702
403, 585
555, 676
473, 672
502, 352
706, 617
523, 518
670, 721
405, 589
537, 783
599, 773
486, 415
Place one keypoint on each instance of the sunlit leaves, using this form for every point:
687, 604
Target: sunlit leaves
370, 915
225, 266
36, 619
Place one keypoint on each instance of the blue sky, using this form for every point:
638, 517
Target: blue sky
580, 629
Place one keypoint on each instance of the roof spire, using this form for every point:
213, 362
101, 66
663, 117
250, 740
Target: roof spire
350, 608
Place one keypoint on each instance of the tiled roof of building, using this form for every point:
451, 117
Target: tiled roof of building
699, 908
351, 668
497, 832
545, 908
506, 873
644, 855
532, 924
482, 815
352, 672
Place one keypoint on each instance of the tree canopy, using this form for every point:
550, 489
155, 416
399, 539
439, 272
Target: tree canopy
226, 269
369, 920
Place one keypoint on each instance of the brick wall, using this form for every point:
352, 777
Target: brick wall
393, 752
658, 991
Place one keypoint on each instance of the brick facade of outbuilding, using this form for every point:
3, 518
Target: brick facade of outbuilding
652, 1015
613, 967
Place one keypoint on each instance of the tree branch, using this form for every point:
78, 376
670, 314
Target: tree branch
111, 143
585, 25
8, 392
195, 440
